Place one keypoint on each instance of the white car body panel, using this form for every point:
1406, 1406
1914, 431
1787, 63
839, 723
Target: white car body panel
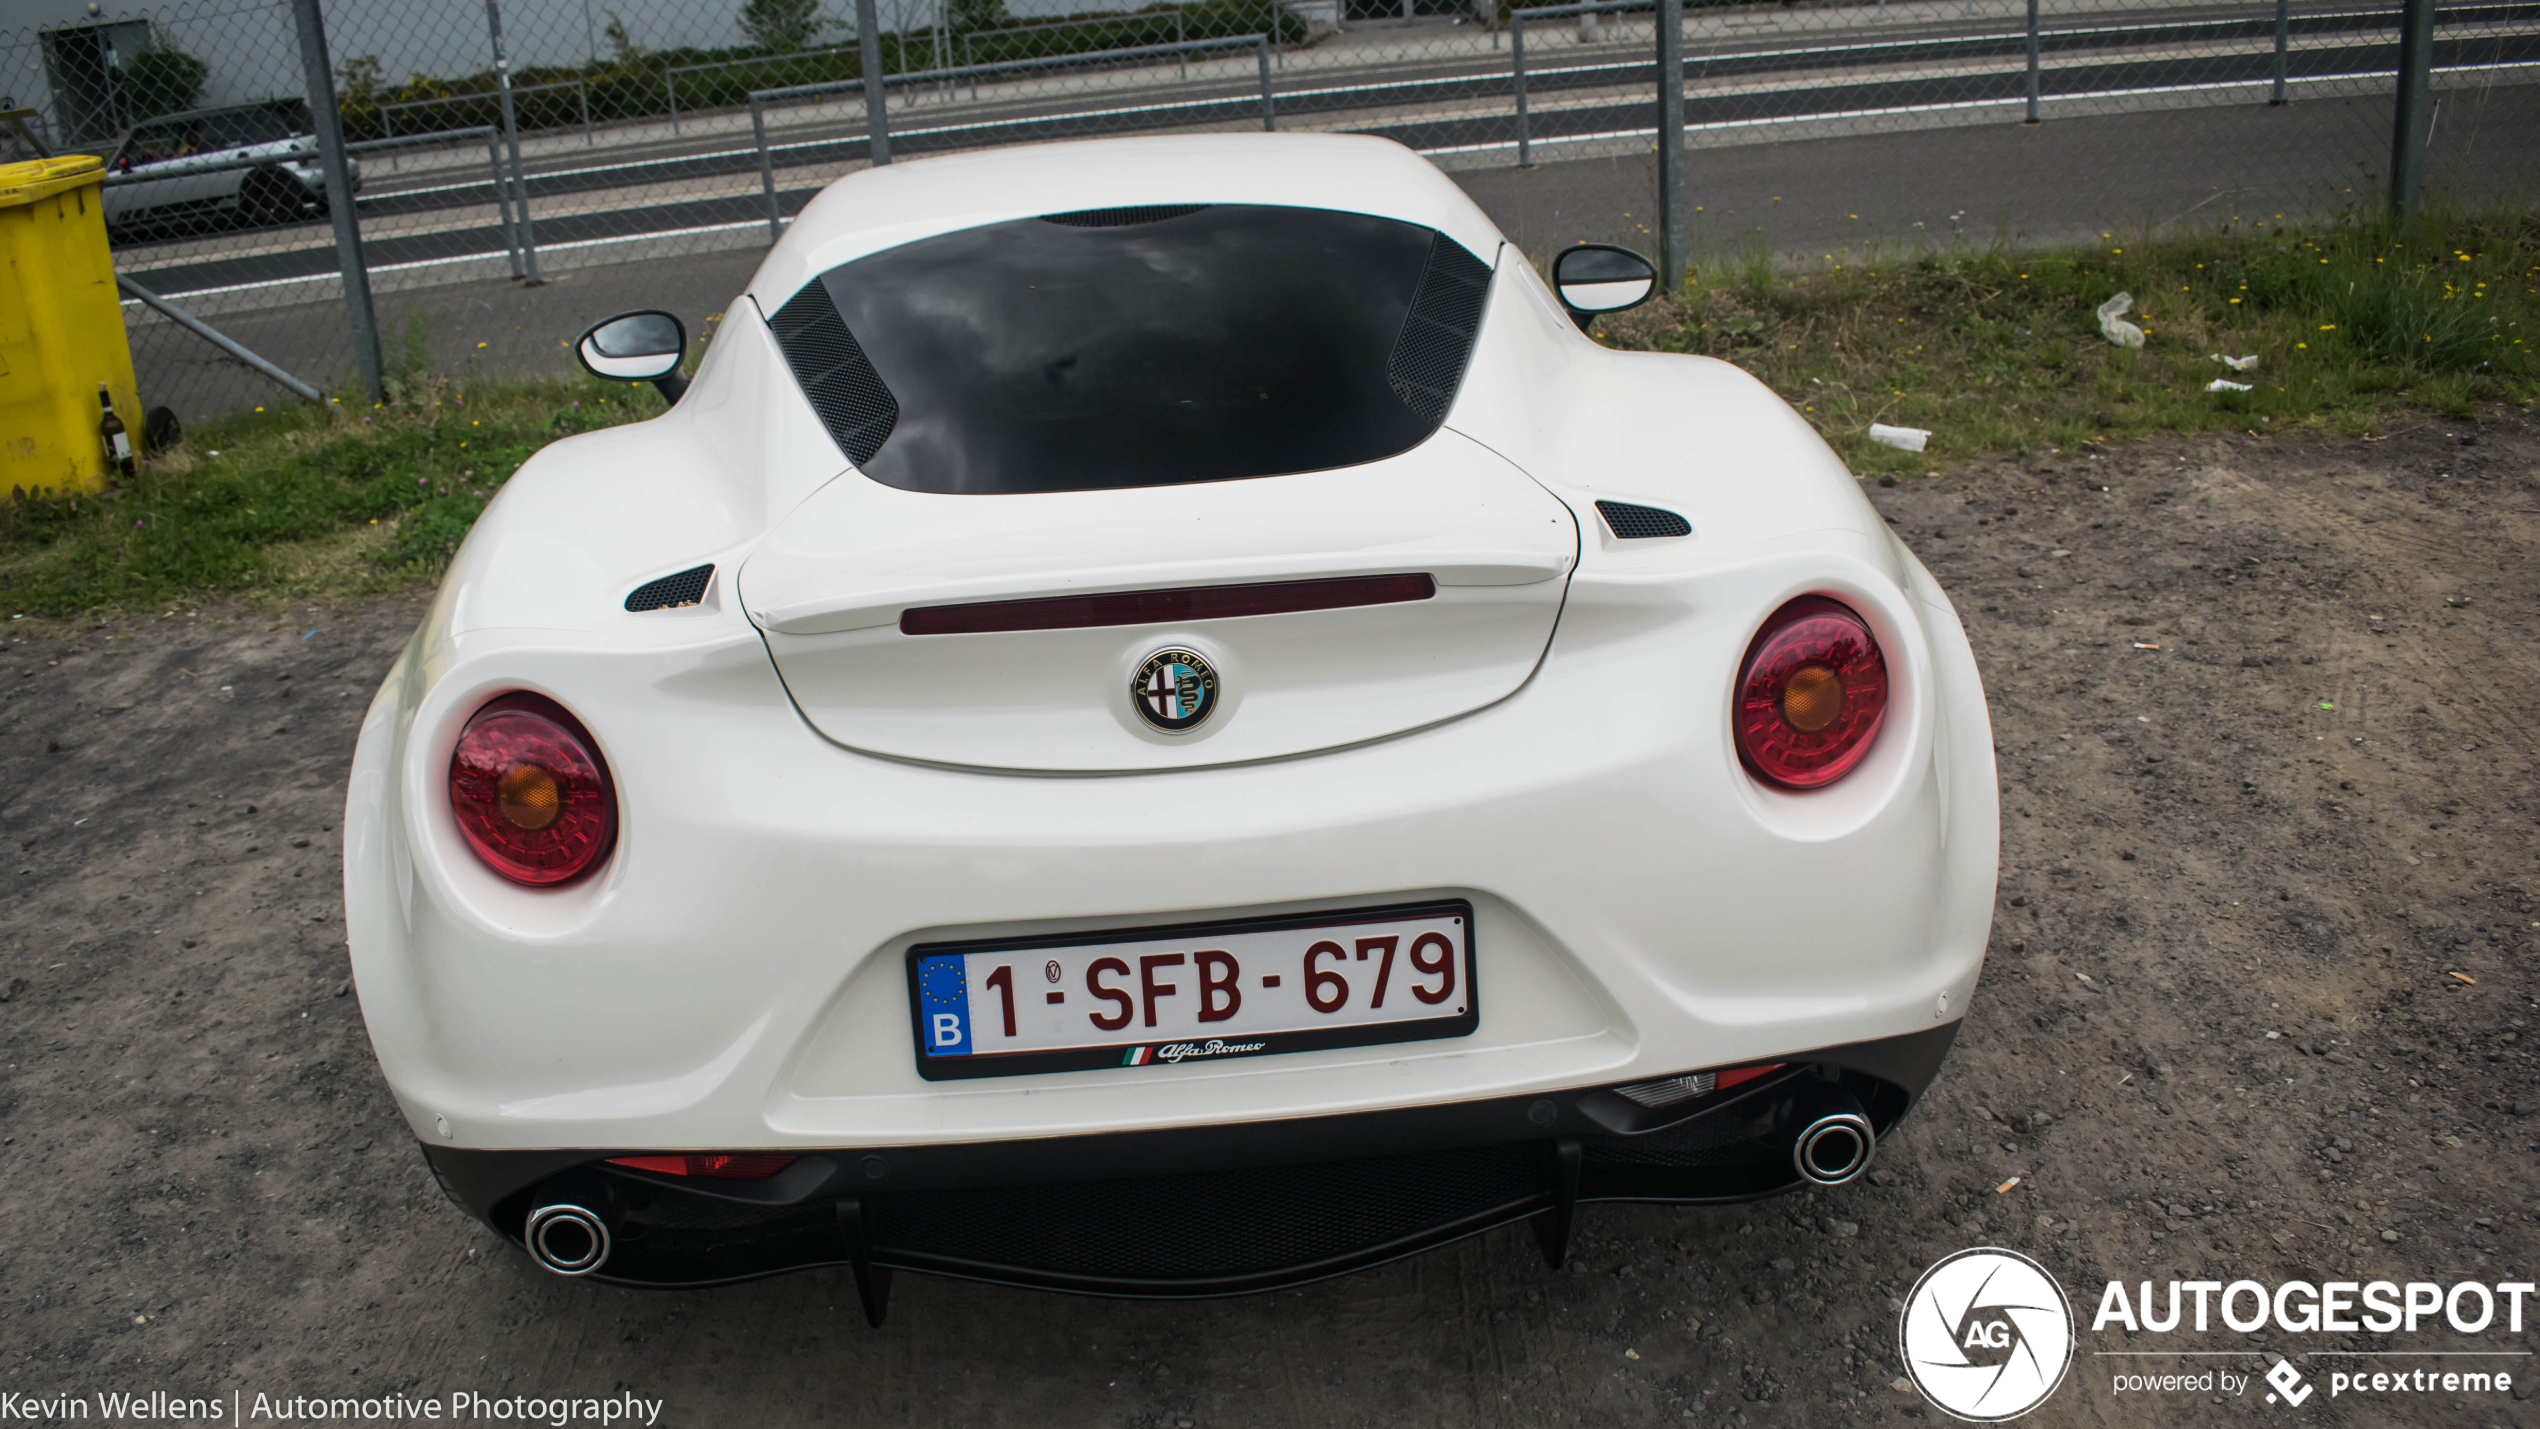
829, 583
734, 976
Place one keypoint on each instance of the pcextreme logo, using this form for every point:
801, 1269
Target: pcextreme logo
1987, 1335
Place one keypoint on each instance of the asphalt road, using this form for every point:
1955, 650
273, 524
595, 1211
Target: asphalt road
2065, 181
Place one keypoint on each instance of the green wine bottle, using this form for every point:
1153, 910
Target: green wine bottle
110, 431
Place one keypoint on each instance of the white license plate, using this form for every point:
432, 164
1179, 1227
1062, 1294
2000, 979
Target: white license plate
1138, 997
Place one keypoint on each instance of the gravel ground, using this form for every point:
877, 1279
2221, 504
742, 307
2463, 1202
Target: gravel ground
2258, 1006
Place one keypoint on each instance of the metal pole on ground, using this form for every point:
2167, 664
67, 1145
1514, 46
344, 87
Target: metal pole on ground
503, 198
217, 338
2283, 37
2032, 63
767, 165
1269, 109
511, 140
2411, 116
1672, 256
877, 101
320, 77
1517, 57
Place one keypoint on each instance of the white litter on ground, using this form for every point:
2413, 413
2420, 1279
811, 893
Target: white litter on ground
1904, 439
2225, 384
2237, 364
2112, 323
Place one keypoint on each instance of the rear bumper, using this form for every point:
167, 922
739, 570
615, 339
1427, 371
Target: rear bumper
1195, 1211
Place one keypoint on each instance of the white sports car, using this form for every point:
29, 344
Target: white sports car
1159, 721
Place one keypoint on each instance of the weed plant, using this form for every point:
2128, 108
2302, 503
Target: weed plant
1996, 352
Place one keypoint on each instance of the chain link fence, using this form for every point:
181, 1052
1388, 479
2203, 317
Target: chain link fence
520, 162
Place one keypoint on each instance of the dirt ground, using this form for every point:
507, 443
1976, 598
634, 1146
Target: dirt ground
2258, 1006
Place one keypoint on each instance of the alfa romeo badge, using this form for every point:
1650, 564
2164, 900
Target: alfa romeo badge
1174, 690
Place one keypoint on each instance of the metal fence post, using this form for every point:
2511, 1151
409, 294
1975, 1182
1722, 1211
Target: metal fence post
1269, 109
2410, 116
1179, 37
877, 99
329, 122
511, 139
1672, 256
503, 198
2283, 36
2032, 63
670, 86
1517, 57
767, 165
583, 87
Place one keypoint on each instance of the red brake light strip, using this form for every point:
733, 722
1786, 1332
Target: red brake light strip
1740, 1075
720, 1165
1150, 607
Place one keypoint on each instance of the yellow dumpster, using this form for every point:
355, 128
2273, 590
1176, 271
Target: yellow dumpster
61, 329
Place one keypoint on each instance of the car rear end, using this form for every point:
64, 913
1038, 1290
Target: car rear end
1170, 871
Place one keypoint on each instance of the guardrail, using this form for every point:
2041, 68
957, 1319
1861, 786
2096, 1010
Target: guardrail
970, 58
670, 76
1517, 49
517, 239
387, 111
969, 55
879, 137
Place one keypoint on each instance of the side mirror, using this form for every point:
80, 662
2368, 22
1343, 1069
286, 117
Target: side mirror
637, 347
1600, 278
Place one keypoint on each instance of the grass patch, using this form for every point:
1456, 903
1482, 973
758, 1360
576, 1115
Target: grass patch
300, 501
1997, 353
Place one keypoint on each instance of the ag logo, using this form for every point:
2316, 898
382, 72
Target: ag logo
1174, 690
1987, 1335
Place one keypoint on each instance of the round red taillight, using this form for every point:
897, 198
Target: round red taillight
1811, 695
531, 793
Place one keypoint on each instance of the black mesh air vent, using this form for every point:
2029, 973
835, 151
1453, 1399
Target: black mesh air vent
1635, 523
1121, 217
835, 374
1437, 335
672, 591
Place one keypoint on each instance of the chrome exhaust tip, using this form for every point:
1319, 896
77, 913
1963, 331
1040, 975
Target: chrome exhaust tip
1834, 1148
567, 1239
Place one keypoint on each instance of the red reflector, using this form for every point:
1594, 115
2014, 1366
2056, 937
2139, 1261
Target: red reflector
1727, 1080
1155, 607
531, 793
1811, 696
721, 1165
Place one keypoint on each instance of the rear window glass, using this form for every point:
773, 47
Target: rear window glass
1137, 347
